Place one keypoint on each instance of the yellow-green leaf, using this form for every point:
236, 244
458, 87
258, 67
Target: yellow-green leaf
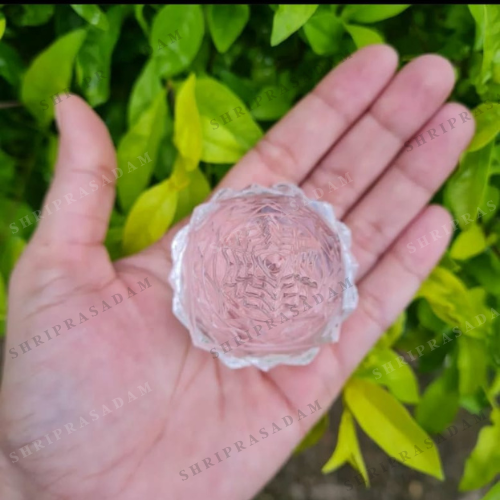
452, 302
50, 74
386, 369
390, 425
3, 24
138, 151
150, 217
483, 463
187, 125
469, 243
347, 449
194, 191
229, 130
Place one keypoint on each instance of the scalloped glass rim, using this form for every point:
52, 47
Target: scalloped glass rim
200, 213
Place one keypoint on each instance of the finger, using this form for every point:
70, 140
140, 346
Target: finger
406, 187
293, 146
78, 205
412, 98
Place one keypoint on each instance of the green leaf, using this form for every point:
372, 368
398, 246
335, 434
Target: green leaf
139, 15
92, 14
176, 37
483, 463
390, 425
494, 493
140, 145
494, 389
439, 404
478, 13
288, 19
50, 74
226, 137
314, 435
274, 108
324, 31
93, 64
385, 369
469, 243
150, 217
466, 188
490, 68
114, 243
7, 171
226, 22
472, 365
487, 116
35, 15
371, 13
485, 268
347, 449
190, 196
3, 24
363, 36
187, 125
10, 254
11, 65
167, 153
144, 91
428, 318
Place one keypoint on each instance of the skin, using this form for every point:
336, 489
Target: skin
356, 120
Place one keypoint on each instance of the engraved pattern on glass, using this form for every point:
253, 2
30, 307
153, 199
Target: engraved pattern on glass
263, 275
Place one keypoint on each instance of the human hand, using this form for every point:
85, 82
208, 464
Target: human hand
357, 120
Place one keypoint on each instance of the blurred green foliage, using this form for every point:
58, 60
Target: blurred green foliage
186, 90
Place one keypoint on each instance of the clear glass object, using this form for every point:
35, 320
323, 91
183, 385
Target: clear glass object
263, 276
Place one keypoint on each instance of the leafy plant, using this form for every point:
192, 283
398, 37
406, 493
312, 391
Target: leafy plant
185, 91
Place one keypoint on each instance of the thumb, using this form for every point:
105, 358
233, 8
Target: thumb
78, 205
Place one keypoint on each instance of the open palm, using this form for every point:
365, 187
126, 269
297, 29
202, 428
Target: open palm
356, 121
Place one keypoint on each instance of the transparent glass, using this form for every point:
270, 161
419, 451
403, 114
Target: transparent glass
263, 276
